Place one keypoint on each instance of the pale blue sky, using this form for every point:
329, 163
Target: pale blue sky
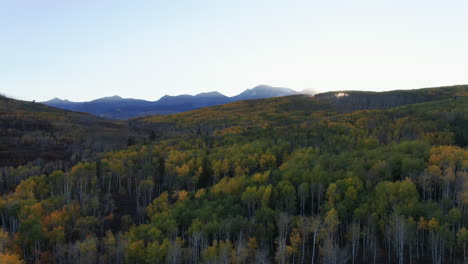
81, 50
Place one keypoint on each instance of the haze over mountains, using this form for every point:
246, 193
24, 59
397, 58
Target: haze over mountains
116, 107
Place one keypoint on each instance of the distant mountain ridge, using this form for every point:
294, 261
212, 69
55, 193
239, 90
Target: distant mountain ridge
59, 101
263, 91
116, 107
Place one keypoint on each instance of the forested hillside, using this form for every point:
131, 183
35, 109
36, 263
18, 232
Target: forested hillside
342, 177
51, 139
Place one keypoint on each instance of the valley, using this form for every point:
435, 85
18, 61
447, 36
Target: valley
339, 177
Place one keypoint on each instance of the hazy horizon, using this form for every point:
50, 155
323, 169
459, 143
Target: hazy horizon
147, 49
308, 90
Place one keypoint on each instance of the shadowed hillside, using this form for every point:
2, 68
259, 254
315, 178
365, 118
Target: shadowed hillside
31, 131
358, 100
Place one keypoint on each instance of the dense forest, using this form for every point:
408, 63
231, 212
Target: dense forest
341, 177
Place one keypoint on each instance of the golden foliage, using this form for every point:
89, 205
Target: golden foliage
9, 258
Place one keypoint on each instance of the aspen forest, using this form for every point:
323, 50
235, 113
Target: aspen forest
339, 177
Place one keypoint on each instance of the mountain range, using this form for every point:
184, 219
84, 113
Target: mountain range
116, 107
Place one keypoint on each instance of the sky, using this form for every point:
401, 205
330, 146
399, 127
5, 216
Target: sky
87, 49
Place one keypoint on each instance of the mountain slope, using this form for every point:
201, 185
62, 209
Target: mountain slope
281, 110
31, 131
359, 100
263, 91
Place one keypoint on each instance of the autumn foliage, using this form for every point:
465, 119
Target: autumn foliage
287, 180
